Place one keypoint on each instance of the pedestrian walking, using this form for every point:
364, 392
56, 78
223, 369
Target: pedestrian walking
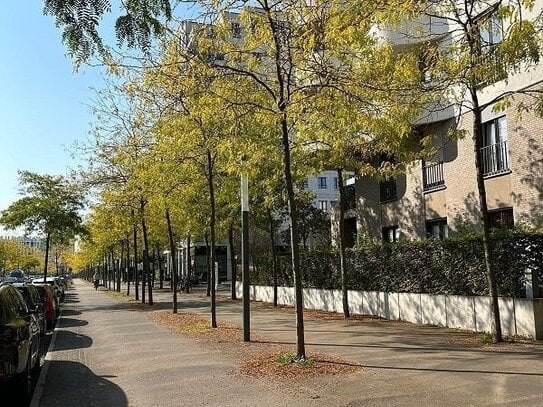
96, 278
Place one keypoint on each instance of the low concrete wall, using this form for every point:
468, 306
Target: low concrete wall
519, 316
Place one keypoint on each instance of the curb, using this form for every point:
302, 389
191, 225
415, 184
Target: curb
40, 385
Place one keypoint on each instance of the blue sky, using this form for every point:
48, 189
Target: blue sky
42, 100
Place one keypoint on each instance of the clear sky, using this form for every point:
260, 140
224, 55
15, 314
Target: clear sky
43, 102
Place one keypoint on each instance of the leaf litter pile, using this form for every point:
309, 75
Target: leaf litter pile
260, 358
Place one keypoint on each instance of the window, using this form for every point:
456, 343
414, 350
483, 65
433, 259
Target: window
437, 229
236, 30
306, 184
432, 175
321, 182
336, 183
391, 234
501, 218
323, 206
494, 153
491, 30
387, 189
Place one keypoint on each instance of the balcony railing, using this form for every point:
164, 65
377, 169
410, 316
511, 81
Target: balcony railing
432, 176
495, 159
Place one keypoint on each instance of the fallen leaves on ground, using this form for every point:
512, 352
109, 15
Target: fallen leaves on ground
267, 364
258, 358
197, 325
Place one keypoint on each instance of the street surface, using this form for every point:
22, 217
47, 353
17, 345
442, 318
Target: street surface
105, 353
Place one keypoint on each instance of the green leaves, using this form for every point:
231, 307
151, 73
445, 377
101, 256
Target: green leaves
51, 206
80, 20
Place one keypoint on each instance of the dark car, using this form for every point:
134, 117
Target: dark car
18, 274
49, 304
34, 303
58, 289
19, 341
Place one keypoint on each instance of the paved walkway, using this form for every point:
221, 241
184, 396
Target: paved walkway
105, 353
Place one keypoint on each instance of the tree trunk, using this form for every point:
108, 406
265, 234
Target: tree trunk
274, 256
120, 268
127, 265
189, 265
294, 238
476, 54
173, 277
341, 231
487, 243
210, 166
232, 262
208, 264
136, 271
160, 270
47, 243
146, 266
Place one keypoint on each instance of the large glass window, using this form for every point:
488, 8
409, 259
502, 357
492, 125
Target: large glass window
495, 153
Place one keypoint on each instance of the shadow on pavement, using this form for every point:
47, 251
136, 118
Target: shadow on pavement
67, 340
80, 387
71, 322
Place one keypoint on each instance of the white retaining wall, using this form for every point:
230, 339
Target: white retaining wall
519, 316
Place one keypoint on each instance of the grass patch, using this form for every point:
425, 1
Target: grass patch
486, 338
291, 358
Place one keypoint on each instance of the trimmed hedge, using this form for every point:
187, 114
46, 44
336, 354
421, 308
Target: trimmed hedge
452, 266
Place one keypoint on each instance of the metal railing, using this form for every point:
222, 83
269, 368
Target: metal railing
495, 159
432, 176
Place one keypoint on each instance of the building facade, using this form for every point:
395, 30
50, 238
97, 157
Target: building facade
439, 197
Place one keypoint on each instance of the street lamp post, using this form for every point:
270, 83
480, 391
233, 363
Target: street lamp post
245, 253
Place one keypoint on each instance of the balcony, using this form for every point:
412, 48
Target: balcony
495, 159
432, 176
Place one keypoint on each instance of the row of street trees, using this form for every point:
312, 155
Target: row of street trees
294, 88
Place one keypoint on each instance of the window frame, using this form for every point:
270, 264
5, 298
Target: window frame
385, 233
441, 223
495, 147
493, 222
322, 183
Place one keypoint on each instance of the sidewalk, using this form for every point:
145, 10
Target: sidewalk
107, 354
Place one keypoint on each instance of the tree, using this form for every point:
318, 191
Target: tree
80, 20
51, 206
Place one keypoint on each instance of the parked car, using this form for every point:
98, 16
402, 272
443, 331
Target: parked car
19, 341
50, 305
58, 289
34, 303
18, 274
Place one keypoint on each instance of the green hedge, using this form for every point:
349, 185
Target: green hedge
453, 266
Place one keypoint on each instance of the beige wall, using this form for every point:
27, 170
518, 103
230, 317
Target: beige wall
521, 189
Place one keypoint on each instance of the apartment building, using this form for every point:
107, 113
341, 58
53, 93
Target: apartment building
437, 198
